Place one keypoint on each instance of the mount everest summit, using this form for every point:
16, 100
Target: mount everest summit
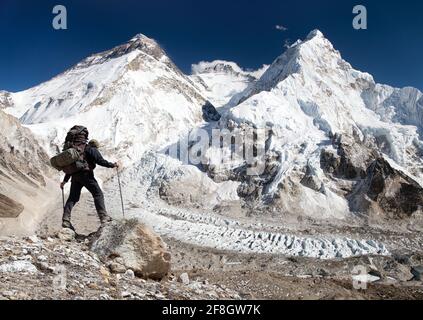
340, 149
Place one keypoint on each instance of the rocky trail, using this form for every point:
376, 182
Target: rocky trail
51, 268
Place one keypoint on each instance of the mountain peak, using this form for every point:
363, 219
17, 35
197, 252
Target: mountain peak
315, 34
314, 56
314, 51
139, 42
139, 36
142, 39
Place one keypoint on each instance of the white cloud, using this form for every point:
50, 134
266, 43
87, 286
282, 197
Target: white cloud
281, 27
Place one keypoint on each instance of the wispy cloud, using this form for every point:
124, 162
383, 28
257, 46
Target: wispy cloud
281, 27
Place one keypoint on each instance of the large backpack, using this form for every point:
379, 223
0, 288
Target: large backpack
72, 159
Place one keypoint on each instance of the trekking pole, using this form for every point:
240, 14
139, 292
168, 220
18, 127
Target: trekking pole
63, 199
120, 190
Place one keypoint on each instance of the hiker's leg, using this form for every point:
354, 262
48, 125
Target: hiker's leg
75, 194
95, 190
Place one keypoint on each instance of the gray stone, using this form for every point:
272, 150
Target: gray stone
18, 266
139, 248
66, 234
184, 278
117, 267
43, 266
42, 258
129, 274
33, 239
417, 272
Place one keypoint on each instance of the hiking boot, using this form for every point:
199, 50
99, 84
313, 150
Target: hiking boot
67, 225
104, 219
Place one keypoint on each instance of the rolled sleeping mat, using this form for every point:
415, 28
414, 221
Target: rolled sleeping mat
64, 159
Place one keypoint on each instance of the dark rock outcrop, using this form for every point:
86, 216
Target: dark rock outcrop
312, 181
387, 191
349, 161
210, 113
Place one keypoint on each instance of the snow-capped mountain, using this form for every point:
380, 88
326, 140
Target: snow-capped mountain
220, 80
338, 144
329, 123
132, 97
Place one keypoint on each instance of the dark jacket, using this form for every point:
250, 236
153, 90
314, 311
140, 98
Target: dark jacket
93, 157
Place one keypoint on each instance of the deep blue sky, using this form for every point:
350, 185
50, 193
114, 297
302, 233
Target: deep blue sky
31, 51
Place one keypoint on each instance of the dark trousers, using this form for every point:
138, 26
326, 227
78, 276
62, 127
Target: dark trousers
88, 181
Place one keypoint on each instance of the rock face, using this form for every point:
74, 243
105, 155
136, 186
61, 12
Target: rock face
133, 246
351, 159
311, 180
24, 168
389, 191
210, 113
9, 208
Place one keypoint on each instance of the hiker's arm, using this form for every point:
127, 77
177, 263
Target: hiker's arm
65, 180
98, 158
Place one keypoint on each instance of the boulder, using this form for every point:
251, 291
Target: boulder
135, 246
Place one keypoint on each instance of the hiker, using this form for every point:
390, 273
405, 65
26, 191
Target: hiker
85, 178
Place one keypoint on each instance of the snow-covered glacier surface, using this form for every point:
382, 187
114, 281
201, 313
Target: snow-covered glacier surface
206, 229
